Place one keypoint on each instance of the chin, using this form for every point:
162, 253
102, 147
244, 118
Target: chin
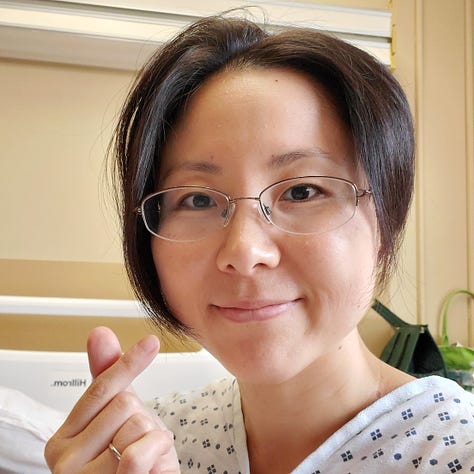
262, 366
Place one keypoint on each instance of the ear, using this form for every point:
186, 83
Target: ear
103, 349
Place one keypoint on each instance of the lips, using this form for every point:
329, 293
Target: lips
253, 311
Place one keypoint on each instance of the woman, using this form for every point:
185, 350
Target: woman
265, 182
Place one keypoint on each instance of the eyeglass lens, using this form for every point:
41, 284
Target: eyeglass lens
306, 205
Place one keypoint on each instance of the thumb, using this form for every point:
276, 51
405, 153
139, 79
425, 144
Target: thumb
103, 350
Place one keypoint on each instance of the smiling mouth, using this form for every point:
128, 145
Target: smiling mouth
243, 313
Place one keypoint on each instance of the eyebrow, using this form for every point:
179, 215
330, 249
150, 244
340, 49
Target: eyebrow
277, 161
200, 166
284, 159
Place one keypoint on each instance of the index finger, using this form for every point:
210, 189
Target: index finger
110, 382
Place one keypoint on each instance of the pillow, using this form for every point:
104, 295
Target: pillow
25, 426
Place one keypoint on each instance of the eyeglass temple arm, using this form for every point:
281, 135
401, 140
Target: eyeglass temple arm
363, 192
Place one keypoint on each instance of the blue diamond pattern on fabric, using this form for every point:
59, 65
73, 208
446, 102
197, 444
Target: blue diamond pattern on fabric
449, 440
347, 456
376, 434
444, 416
438, 397
454, 465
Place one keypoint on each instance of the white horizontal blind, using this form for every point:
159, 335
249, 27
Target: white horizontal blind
122, 33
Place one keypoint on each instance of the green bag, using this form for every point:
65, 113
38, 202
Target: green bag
456, 357
412, 348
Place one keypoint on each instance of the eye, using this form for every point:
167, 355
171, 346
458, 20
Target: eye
301, 192
197, 201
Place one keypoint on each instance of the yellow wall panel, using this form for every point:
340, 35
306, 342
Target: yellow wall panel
59, 234
55, 126
433, 47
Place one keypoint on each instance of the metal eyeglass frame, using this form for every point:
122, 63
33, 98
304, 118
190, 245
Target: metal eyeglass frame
231, 203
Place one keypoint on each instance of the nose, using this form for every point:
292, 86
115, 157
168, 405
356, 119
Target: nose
248, 242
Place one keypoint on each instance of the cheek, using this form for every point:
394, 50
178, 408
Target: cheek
343, 282
167, 266
181, 273
344, 261
361, 251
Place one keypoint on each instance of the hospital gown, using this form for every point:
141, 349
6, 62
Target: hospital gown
424, 426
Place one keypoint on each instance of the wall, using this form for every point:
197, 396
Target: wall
59, 236
434, 61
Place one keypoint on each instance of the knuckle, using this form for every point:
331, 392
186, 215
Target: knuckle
131, 458
53, 450
142, 422
50, 450
99, 389
128, 362
133, 454
58, 458
126, 401
61, 468
163, 440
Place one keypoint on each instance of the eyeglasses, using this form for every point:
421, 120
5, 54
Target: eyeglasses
303, 205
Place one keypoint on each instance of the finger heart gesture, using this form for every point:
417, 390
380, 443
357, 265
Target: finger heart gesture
110, 430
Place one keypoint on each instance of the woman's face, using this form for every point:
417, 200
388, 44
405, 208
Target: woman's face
265, 302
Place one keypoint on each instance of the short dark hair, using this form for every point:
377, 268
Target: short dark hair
369, 99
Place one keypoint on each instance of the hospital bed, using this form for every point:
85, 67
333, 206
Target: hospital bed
38, 388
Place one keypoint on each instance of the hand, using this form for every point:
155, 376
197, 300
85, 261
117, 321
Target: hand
110, 412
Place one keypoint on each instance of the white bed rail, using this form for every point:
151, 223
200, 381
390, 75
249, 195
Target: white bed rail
32, 305
58, 379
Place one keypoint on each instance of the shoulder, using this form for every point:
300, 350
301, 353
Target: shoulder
426, 424
431, 401
430, 394
443, 423
430, 421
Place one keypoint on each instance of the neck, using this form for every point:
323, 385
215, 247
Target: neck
311, 406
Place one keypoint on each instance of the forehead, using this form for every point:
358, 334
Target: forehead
257, 112
259, 88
